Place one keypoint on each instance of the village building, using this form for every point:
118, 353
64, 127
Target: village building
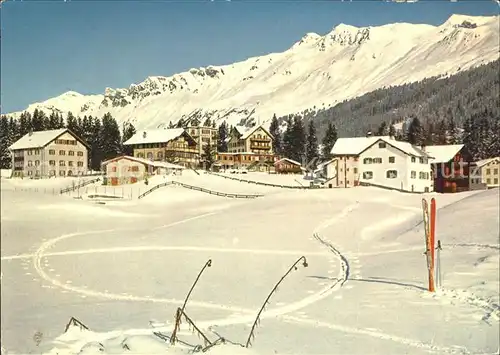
485, 173
378, 161
172, 145
128, 170
451, 166
50, 153
257, 140
250, 161
203, 135
288, 166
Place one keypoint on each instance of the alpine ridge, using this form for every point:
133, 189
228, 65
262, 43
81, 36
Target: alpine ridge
315, 72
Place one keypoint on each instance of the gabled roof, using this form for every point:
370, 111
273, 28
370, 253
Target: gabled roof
40, 139
443, 153
157, 164
245, 132
155, 136
357, 145
289, 160
483, 162
248, 132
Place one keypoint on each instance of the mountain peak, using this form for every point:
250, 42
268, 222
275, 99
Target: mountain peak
345, 63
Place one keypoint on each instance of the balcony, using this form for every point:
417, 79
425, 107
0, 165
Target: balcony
263, 139
259, 147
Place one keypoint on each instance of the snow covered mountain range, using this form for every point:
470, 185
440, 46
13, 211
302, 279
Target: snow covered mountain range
316, 72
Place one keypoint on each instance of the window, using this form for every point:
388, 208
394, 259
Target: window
488, 181
62, 163
37, 173
413, 174
392, 159
488, 171
150, 156
80, 163
70, 163
52, 152
381, 145
30, 163
70, 173
30, 172
140, 155
37, 162
495, 171
52, 173
113, 169
377, 160
355, 170
391, 174
495, 181
80, 154
413, 159
421, 160
62, 173
71, 153
52, 162
62, 152
367, 175
30, 152
367, 161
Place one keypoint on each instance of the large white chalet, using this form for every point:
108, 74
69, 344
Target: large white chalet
379, 161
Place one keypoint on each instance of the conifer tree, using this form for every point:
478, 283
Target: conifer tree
329, 141
5, 141
288, 140
128, 131
222, 137
94, 142
274, 130
109, 137
71, 123
392, 130
312, 145
53, 121
299, 139
208, 156
383, 130
442, 133
415, 132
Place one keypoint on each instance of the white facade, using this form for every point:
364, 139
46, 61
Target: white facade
49, 153
379, 161
385, 165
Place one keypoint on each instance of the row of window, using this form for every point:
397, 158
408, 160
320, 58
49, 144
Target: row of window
128, 168
53, 162
390, 174
488, 181
63, 152
393, 174
495, 171
53, 173
66, 141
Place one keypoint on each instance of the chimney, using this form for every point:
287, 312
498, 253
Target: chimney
369, 133
422, 147
144, 134
30, 132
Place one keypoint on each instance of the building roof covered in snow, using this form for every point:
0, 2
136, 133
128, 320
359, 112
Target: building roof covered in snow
483, 162
40, 139
357, 145
156, 164
162, 135
443, 153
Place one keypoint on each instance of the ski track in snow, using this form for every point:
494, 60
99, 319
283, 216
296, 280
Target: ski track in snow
246, 315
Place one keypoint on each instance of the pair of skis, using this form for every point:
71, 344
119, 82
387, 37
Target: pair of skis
433, 264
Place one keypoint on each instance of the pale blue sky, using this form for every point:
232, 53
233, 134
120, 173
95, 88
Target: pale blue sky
50, 47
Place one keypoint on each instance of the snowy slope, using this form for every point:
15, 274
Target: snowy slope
123, 269
317, 71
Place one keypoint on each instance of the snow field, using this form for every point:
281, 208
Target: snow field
364, 287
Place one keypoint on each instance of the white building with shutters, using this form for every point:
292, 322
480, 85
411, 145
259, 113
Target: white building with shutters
378, 161
51, 153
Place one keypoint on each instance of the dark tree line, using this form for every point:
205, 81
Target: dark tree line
102, 134
461, 96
